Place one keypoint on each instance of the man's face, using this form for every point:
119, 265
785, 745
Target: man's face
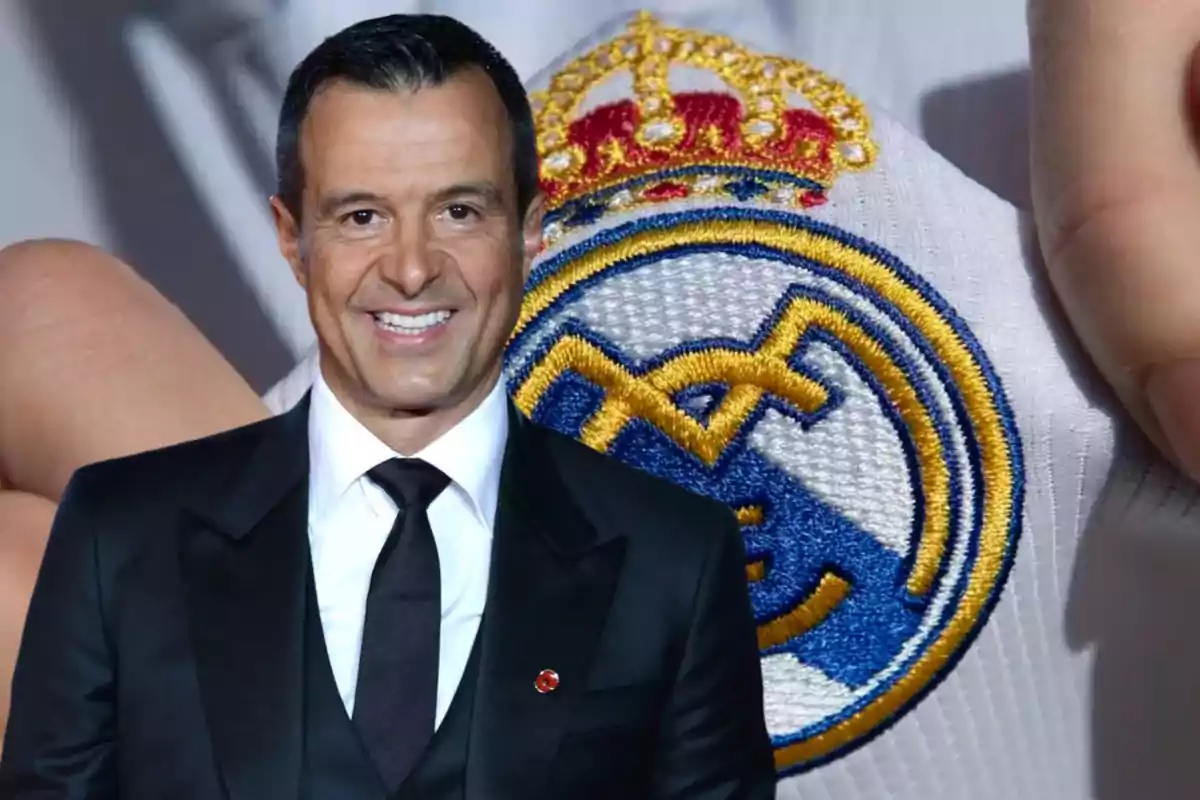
410, 247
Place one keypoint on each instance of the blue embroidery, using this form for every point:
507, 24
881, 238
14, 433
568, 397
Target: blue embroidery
566, 213
746, 189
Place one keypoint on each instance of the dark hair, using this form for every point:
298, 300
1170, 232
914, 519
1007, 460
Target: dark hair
402, 51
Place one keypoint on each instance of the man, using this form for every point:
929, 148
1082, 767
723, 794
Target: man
401, 588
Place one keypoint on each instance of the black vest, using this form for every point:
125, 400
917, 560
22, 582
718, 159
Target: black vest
336, 765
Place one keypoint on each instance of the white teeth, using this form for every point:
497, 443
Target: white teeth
411, 323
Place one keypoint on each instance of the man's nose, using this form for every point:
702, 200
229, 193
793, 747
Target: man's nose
414, 264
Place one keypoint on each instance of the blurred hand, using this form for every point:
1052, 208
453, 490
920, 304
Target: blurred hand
1116, 184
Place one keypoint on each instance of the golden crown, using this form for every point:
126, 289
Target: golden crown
785, 130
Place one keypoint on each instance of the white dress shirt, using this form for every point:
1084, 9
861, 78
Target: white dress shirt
350, 517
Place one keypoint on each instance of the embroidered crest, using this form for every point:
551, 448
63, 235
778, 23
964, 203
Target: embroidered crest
689, 316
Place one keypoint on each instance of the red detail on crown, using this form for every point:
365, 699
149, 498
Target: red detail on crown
668, 190
811, 199
612, 152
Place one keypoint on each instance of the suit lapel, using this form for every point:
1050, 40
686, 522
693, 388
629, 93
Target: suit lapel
245, 560
550, 589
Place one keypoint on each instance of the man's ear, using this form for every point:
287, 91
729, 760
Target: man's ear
287, 231
531, 232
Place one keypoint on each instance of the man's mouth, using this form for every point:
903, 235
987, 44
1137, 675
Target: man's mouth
411, 324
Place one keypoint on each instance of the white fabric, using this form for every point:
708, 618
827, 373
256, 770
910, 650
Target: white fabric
1011, 719
1081, 683
350, 517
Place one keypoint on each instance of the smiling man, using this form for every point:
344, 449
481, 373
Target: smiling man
401, 588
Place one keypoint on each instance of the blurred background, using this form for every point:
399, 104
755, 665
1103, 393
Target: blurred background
147, 127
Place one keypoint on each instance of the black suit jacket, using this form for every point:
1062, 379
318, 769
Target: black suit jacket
162, 651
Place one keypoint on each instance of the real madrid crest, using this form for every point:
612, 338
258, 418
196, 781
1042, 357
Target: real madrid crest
689, 316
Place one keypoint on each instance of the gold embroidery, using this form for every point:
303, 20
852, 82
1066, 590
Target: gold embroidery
750, 515
750, 376
816, 607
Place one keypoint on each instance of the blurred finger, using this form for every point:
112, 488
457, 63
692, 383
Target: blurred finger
96, 364
1116, 182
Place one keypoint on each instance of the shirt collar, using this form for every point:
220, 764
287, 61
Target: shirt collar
342, 450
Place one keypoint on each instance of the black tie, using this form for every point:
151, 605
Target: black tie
395, 705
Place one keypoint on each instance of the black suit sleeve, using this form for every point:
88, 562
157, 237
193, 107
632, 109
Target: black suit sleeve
713, 742
60, 737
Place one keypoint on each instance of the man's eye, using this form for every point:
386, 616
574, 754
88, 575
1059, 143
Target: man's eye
364, 217
460, 213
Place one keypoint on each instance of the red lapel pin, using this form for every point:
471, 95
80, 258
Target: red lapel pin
547, 681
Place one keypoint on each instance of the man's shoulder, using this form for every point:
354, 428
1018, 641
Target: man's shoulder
163, 473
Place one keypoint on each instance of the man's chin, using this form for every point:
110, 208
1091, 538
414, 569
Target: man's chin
411, 398
413, 387
408, 405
